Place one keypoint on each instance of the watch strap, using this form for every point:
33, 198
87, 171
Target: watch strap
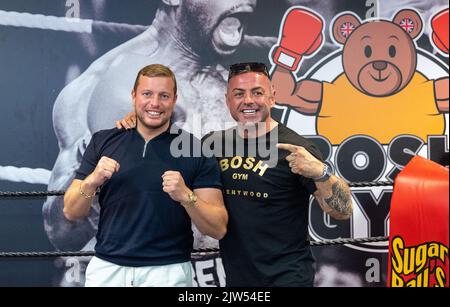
325, 175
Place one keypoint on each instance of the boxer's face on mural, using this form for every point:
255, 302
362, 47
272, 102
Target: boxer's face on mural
219, 25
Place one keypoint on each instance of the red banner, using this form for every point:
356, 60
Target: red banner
419, 231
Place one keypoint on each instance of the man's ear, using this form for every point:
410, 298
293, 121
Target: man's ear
171, 2
272, 103
133, 98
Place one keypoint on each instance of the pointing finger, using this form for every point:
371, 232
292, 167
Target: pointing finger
288, 147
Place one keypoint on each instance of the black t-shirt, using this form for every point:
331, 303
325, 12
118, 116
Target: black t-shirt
266, 241
139, 224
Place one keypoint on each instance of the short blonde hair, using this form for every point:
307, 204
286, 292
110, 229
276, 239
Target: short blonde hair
156, 70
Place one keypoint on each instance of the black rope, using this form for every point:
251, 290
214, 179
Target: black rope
32, 194
45, 254
196, 252
61, 193
348, 241
370, 184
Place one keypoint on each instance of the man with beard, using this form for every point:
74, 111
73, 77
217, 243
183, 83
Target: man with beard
192, 37
147, 196
266, 243
268, 179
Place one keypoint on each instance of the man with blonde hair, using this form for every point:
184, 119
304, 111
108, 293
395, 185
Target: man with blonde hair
147, 196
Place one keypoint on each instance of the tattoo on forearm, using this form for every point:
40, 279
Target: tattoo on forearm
340, 200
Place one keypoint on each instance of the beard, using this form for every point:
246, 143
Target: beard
141, 121
194, 31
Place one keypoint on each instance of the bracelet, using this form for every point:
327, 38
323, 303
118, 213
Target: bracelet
85, 195
191, 202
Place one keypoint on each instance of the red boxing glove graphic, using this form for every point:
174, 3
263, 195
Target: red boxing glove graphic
439, 24
301, 35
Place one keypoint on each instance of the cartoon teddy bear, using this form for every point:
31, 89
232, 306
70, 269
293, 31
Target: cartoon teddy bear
380, 92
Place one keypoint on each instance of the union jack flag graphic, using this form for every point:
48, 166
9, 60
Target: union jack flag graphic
407, 24
347, 28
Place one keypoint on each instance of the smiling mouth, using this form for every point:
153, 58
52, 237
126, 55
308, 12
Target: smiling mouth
379, 78
154, 114
249, 112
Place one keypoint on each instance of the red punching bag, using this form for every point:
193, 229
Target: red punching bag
419, 231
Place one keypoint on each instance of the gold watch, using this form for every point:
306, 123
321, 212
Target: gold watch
192, 200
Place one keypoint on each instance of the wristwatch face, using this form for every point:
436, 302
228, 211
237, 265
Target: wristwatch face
326, 173
192, 198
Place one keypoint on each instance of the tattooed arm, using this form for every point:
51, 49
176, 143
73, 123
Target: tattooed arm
334, 198
333, 194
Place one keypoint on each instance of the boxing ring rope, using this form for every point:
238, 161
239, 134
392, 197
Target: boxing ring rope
196, 252
61, 193
65, 24
87, 26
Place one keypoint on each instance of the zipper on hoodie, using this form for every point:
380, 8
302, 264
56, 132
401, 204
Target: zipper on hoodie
145, 149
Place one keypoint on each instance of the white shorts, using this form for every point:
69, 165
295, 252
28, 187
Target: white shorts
101, 273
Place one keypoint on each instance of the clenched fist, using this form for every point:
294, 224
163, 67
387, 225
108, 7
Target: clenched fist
439, 24
104, 170
173, 184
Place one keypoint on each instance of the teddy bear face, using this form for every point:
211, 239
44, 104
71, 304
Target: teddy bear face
379, 58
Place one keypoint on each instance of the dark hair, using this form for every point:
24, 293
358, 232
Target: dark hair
156, 70
240, 68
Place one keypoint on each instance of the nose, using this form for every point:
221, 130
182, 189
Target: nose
248, 98
379, 65
154, 101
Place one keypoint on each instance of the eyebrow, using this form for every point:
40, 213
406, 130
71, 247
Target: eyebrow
252, 89
365, 36
149, 90
394, 36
